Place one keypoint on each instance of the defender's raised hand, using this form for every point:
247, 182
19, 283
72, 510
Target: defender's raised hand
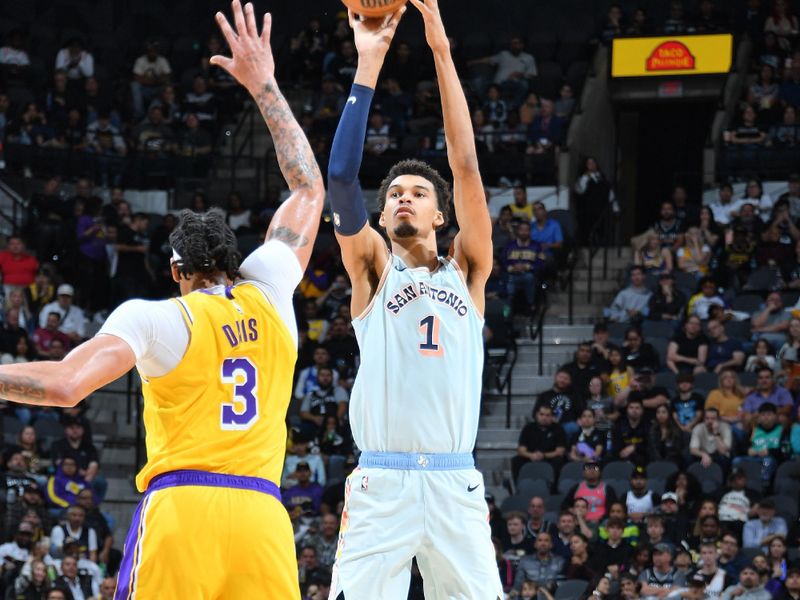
252, 63
434, 27
374, 36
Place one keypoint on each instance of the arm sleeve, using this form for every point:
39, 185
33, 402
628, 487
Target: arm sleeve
275, 268
155, 331
344, 190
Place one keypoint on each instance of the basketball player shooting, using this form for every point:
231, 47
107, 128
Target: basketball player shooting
216, 367
415, 402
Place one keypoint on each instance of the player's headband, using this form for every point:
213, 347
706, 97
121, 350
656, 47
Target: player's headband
175, 256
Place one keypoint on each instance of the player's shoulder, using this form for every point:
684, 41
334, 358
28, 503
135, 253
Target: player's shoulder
151, 309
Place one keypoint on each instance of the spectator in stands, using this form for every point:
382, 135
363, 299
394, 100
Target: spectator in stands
543, 567
792, 196
614, 24
640, 501
16, 552
723, 352
151, 71
577, 566
515, 68
715, 578
765, 443
782, 23
638, 353
597, 493
700, 304
541, 440
790, 88
298, 454
503, 228
326, 399
665, 441
593, 195
630, 433
522, 259
724, 208
566, 527
304, 493
520, 207
729, 559
516, 543
72, 582
644, 390
64, 486
95, 520
737, 502
630, 303
687, 405
785, 134
495, 108
43, 337
767, 391
620, 376
688, 350
201, 102
749, 586
153, 137
74, 527
761, 531
546, 132
15, 61
381, 137
307, 379
194, 144
536, 522
727, 400
325, 541
600, 346
662, 578
73, 321
711, 233
763, 94
669, 228
652, 256
612, 553
563, 401
133, 275
75, 61
581, 370
588, 444
772, 322
712, 440
695, 255
18, 268
77, 445
343, 64
763, 355
547, 232
605, 411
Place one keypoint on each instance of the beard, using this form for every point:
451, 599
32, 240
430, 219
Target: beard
405, 230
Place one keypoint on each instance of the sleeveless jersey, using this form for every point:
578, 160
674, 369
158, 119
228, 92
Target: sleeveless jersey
639, 505
418, 387
223, 408
618, 382
596, 499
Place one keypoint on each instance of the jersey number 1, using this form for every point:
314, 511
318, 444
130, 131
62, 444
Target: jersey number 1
429, 327
242, 411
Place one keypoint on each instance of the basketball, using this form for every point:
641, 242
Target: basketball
374, 8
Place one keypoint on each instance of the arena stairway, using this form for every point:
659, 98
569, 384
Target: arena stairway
496, 444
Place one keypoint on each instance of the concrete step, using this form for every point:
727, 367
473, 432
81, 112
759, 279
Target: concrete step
497, 435
498, 420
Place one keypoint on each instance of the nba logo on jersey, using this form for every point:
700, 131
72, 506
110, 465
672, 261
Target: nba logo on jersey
365, 483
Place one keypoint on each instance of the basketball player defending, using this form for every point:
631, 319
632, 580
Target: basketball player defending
415, 403
216, 367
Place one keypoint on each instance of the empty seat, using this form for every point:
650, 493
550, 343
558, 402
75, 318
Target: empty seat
705, 382
661, 469
662, 329
762, 279
618, 469
786, 507
748, 303
515, 503
571, 470
710, 477
528, 488
666, 380
538, 471
570, 589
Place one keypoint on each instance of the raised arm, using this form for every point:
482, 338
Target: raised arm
364, 252
297, 220
473, 244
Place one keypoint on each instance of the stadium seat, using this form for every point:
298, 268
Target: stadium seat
571, 470
752, 471
788, 487
538, 471
666, 379
739, 330
656, 484
528, 488
786, 507
515, 503
789, 470
710, 477
565, 484
12, 425
660, 344
553, 503
685, 282
748, 303
762, 279
620, 486
748, 379
705, 382
570, 589
790, 297
662, 469
662, 329
45, 428
617, 331
748, 554
618, 469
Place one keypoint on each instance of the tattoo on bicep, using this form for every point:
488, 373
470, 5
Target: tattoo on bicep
21, 389
288, 236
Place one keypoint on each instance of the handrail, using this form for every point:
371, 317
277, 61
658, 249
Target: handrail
237, 152
18, 204
602, 231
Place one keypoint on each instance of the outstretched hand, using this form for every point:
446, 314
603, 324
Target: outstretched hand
252, 63
374, 36
434, 27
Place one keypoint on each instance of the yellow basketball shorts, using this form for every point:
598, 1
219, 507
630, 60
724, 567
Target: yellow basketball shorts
208, 536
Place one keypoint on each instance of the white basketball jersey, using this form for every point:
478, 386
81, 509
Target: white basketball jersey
418, 388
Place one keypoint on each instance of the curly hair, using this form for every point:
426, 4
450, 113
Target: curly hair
206, 244
424, 170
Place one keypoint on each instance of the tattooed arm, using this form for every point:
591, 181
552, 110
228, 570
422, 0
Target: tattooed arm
87, 368
297, 220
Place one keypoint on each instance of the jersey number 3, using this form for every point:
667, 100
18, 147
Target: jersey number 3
242, 411
429, 327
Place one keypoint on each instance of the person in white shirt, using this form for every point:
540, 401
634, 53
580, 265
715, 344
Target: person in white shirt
515, 67
74, 529
17, 551
73, 321
150, 71
724, 207
77, 62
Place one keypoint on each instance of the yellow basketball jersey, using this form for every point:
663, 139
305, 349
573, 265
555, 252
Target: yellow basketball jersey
223, 408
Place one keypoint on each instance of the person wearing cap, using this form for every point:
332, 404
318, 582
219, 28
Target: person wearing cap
32, 500
594, 490
662, 578
304, 490
759, 532
675, 521
765, 443
17, 551
73, 321
748, 588
640, 501
600, 346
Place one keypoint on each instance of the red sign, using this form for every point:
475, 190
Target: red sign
670, 56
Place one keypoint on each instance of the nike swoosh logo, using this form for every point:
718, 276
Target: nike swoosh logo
352, 100
472, 488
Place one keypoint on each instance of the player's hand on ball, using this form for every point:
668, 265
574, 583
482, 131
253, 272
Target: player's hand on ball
434, 28
252, 63
374, 36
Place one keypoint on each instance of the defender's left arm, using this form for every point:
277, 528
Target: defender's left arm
473, 244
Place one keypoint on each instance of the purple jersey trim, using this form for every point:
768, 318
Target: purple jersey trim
204, 478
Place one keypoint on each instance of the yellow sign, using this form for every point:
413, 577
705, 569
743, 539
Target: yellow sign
678, 55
